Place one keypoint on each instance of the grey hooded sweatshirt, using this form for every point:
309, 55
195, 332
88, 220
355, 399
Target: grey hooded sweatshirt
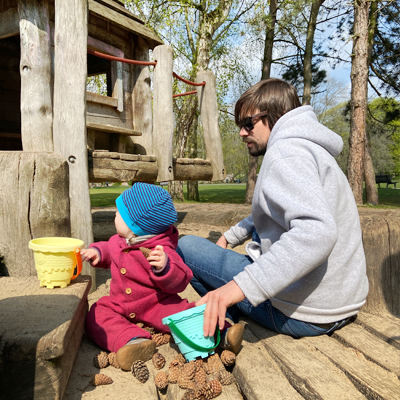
311, 262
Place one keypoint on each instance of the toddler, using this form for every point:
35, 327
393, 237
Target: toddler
142, 289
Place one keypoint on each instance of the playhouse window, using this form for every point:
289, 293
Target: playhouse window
105, 76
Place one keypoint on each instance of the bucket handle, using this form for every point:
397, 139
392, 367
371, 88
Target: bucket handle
185, 339
77, 252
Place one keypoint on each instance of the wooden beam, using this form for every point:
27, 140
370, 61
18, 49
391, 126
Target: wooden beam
113, 129
209, 118
163, 120
125, 22
9, 23
120, 8
36, 76
70, 134
142, 112
99, 99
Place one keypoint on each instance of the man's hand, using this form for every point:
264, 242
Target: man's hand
217, 302
157, 258
222, 242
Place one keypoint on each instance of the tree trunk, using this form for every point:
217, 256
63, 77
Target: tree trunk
269, 41
265, 74
175, 189
308, 54
251, 179
359, 92
369, 174
193, 186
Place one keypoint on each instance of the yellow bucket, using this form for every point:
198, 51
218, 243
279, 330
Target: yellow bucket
55, 260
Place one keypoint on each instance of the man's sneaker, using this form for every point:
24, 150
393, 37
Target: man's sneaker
136, 349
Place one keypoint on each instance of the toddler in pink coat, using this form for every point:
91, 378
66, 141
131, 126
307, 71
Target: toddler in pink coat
142, 289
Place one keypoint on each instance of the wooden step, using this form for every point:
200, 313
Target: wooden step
41, 331
112, 129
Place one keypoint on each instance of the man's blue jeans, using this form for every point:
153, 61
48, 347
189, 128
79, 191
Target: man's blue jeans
214, 266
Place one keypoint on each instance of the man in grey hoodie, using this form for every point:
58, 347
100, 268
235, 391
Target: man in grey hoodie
304, 273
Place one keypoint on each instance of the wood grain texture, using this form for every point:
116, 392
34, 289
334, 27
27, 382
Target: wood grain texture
9, 23
209, 118
70, 135
36, 76
35, 203
163, 120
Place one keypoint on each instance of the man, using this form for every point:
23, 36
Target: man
305, 272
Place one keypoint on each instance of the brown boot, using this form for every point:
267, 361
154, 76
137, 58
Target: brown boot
233, 338
138, 349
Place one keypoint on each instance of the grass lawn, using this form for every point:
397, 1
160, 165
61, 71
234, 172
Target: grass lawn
223, 193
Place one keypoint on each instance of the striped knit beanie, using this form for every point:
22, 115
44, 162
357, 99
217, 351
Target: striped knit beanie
146, 209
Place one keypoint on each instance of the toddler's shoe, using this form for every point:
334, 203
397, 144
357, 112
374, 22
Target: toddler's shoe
136, 349
232, 339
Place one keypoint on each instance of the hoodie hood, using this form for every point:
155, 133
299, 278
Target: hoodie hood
302, 123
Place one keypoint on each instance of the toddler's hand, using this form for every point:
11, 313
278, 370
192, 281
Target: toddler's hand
91, 255
157, 258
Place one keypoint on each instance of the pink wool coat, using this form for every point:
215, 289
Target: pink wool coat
137, 294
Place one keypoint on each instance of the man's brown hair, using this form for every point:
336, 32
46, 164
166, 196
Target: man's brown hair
273, 95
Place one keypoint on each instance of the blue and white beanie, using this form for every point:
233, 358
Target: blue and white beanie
146, 209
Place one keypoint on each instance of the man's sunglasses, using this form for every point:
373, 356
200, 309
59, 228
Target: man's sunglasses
248, 124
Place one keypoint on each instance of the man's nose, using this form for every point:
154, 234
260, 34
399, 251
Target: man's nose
243, 132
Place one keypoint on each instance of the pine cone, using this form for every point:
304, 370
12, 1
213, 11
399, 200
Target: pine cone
189, 369
185, 383
158, 360
140, 371
200, 376
173, 374
225, 377
101, 379
101, 360
203, 392
214, 364
158, 338
199, 364
140, 324
180, 358
149, 329
228, 358
167, 338
146, 252
161, 380
215, 388
112, 360
176, 363
189, 395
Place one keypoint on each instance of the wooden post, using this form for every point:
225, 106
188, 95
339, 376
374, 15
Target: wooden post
35, 68
34, 203
209, 118
142, 113
70, 136
163, 128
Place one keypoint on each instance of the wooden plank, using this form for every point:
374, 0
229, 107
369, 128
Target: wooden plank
98, 98
70, 133
371, 380
34, 203
192, 172
255, 381
108, 170
120, 8
106, 154
91, 140
142, 111
125, 22
9, 23
391, 277
163, 120
385, 327
303, 367
192, 161
113, 129
36, 76
208, 107
373, 348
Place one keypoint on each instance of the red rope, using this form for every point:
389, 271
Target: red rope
188, 82
184, 94
124, 60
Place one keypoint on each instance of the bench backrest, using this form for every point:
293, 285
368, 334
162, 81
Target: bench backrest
382, 178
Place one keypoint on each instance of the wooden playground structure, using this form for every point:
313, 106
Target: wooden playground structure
57, 137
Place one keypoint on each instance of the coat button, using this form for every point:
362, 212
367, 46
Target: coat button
126, 251
128, 290
123, 271
132, 315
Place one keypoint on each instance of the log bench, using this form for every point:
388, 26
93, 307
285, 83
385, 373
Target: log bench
40, 333
384, 179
